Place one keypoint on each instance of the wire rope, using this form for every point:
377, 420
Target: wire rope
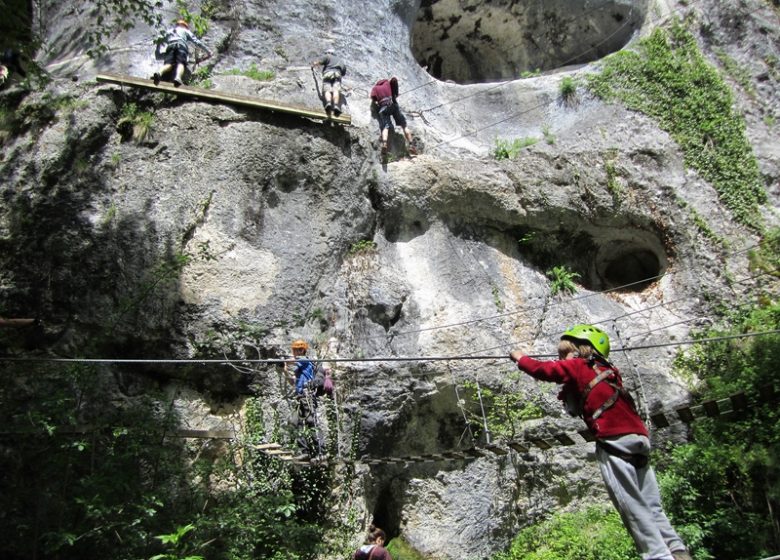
181, 361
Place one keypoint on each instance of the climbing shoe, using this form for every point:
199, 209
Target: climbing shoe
681, 555
337, 111
412, 150
176, 82
156, 78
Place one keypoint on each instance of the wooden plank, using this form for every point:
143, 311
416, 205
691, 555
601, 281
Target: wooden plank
518, 446
767, 393
564, 439
223, 97
474, 452
711, 408
202, 434
495, 449
264, 446
685, 414
739, 401
454, 455
540, 443
279, 451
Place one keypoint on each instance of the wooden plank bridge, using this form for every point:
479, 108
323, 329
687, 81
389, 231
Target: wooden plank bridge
224, 97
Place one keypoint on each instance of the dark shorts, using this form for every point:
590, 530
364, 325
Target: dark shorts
392, 111
175, 55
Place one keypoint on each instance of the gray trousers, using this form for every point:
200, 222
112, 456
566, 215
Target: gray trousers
634, 492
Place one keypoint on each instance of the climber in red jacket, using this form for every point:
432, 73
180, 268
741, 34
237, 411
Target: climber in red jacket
384, 102
593, 390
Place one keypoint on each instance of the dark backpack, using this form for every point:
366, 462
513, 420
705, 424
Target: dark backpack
318, 381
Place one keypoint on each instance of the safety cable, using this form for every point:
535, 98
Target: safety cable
525, 309
277, 361
635, 371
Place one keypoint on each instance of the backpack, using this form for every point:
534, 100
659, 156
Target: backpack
322, 383
318, 381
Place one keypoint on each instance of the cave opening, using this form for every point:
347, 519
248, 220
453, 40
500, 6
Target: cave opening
606, 258
632, 270
469, 42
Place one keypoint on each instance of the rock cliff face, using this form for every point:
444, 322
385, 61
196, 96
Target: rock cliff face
221, 229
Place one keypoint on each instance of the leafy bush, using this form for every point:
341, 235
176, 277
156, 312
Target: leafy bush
137, 121
722, 490
596, 533
567, 89
563, 280
96, 492
505, 411
122, 489
669, 79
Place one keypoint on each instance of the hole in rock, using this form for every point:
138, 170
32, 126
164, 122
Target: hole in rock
471, 42
605, 258
631, 266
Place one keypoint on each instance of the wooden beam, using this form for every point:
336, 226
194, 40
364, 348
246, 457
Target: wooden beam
223, 97
16, 323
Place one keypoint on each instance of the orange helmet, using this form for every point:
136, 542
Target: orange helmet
183, 23
299, 345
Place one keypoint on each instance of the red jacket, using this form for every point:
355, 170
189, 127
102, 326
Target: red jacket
618, 420
385, 88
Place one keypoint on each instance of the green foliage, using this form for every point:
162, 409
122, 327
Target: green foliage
91, 492
509, 149
668, 78
593, 534
766, 257
362, 247
202, 77
112, 16
722, 490
199, 23
562, 280
176, 542
567, 89
399, 549
505, 412
549, 137
530, 73
135, 120
253, 72
738, 73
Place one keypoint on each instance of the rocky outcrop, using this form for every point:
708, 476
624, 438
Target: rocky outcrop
219, 229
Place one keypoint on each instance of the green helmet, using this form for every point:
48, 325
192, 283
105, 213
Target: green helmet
590, 334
